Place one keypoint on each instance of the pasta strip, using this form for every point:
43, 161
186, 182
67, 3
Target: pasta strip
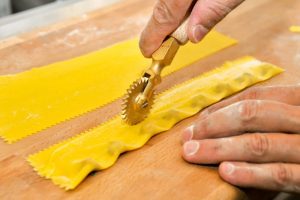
295, 29
69, 162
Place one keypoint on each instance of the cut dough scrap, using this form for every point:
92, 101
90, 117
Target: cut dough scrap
69, 162
295, 29
42, 97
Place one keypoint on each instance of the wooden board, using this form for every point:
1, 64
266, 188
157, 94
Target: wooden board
156, 171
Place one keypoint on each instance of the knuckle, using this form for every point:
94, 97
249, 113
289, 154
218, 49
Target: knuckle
218, 148
204, 114
219, 9
282, 175
258, 144
201, 129
252, 93
163, 14
248, 110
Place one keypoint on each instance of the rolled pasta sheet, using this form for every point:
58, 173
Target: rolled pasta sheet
42, 97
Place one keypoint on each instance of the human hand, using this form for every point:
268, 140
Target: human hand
168, 15
251, 136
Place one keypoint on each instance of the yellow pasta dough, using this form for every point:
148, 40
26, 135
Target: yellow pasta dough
36, 99
295, 29
69, 162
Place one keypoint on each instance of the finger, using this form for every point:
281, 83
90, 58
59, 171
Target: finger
167, 16
275, 176
256, 148
246, 116
206, 14
289, 94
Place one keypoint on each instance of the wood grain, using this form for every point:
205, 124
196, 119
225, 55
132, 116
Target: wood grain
155, 171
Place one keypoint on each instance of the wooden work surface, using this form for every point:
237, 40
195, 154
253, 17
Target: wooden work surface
157, 170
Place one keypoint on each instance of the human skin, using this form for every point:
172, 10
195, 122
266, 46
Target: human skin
254, 136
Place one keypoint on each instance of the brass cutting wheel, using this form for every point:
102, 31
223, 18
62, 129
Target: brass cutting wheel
134, 107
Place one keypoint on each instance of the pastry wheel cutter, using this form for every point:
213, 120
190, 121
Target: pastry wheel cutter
140, 95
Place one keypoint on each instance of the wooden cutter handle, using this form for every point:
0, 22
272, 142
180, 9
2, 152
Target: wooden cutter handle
180, 34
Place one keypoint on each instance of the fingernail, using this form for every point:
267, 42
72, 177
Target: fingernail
229, 168
199, 32
191, 147
188, 133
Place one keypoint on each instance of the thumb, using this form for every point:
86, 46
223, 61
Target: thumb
166, 17
206, 14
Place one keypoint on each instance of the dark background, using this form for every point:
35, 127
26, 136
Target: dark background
21, 5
